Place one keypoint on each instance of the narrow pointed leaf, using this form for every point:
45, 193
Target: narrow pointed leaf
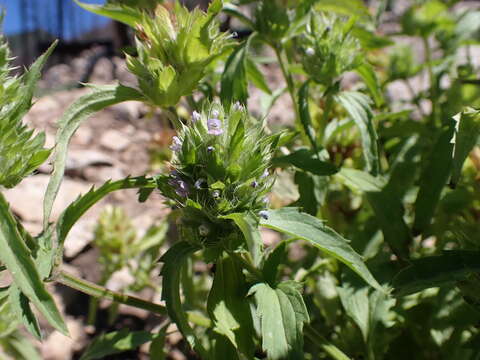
116, 342
79, 111
127, 15
306, 160
234, 78
304, 113
173, 261
467, 135
357, 106
433, 271
16, 257
367, 73
21, 306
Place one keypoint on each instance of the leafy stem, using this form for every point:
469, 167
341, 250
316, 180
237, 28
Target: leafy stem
247, 264
318, 340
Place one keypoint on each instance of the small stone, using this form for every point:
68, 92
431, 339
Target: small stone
114, 140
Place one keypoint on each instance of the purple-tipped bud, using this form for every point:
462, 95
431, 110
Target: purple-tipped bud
210, 149
237, 106
266, 200
215, 114
254, 184
216, 194
181, 188
263, 214
199, 183
214, 126
176, 144
196, 116
265, 174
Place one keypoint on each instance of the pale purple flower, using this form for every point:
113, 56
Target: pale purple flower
214, 126
181, 188
215, 113
196, 116
265, 174
263, 214
237, 106
176, 144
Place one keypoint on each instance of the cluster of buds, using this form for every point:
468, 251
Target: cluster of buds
175, 51
220, 166
328, 48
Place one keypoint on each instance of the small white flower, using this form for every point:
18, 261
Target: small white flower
203, 230
310, 51
237, 106
263, 214
216, 194
176, 144
198, 184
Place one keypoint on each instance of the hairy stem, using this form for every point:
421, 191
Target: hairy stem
287, 76
101, 292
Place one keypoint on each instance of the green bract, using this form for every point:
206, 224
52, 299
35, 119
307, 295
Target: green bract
20, 152
220, 166
174, 51
328, 49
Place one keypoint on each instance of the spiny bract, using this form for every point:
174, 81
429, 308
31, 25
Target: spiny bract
219, 166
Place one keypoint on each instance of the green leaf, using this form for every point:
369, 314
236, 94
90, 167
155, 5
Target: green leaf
367, 73
16, 257
157, 350
116, 342
357, 106
434, 271
467, 135
386, 205
21, 306
248, 224
435, 173
84, 202
256, 77
124, 14
275, 258
306, 160
304, 113
369, 310
228, 307
282, 313
22, 348
79, 111
173, 261
311, 229
234, 78
235, 12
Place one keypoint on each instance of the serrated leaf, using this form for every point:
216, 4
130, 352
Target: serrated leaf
115, 342
21, 306
311, 229
228, 307
234, 78
306, 160
16, 257
357, 106
79, 111
467, 135
248, 224
173, 261
434, 271
124, 14
282, 313
435, 173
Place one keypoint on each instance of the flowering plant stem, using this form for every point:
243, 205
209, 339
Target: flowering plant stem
287, 76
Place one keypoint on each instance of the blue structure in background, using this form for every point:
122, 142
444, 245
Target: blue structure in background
33, 15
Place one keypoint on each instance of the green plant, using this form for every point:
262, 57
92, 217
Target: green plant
399, 180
